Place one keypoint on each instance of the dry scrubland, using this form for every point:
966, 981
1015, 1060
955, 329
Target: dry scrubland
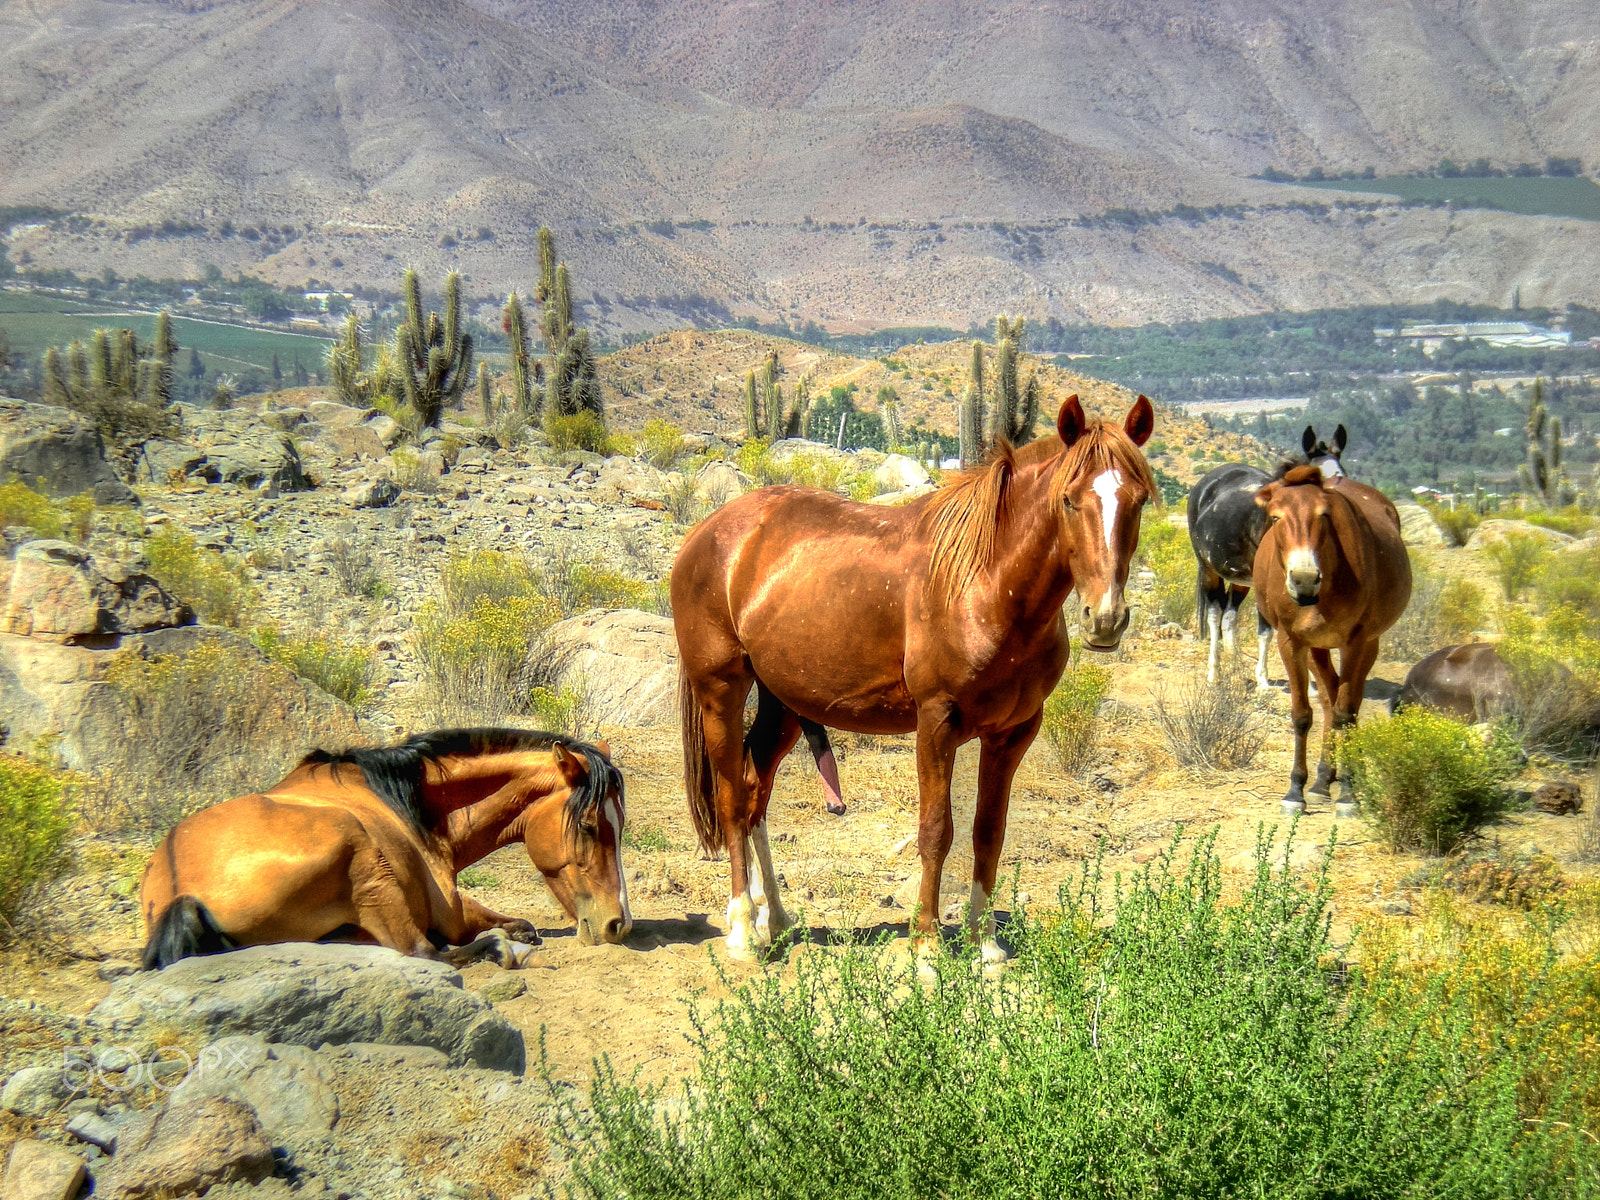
423, 610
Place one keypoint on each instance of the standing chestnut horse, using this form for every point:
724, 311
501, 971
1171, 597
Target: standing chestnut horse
943, 616
1331, 574
365, 846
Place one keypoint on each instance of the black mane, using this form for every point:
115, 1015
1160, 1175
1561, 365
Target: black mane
394, 773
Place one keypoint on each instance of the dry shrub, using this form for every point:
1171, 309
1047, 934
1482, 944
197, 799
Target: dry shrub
219, 591
411, 473
198, 726
1428, 782
1456, 524
1520, 881
1218, 727
36, 815
356, 568
1444, 610
681, 503
662, 443
1071, 714
1554, 663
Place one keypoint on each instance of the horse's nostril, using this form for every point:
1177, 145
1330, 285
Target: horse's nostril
614, 929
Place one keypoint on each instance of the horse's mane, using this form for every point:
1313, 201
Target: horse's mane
1296, 473
966, 515
395, 773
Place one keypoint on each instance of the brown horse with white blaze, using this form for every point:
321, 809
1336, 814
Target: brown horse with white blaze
943, 616
1331, 574
365, 846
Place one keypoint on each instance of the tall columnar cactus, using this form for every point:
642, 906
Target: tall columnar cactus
800, 410
353, 381
971, 420
572, 384
122, 386
527, 382
771, 398
1542, 474
1016, 407
433, 356
485, 392
889, 409
752, 409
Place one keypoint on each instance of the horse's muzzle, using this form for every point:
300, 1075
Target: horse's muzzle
600, 927
1104, 626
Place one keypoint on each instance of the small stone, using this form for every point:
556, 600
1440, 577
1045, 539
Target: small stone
186, 1147
96, 1130
1559, 797
886, 900
114, 970
374, 493
34, 1091
506, 987
40, 1171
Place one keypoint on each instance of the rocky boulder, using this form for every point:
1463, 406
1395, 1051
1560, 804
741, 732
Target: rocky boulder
1417, 528
897, 473
50, 689
41, 1171
626, 663
57, 591
52, 450
1498, 530
290, 1089
309, 994
718, 482
623, 478
184, 1149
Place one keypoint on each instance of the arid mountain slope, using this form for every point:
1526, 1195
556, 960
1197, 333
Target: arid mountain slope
850, 163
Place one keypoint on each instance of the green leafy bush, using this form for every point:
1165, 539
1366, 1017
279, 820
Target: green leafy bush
36, 815
1456, 523
1071, 714
1572, 520
342, 669
1554, 662
1162, 1045
558, 709
1571, 578
219, 591
21, 505
1164, 550
1517, 560
1427, 781
662, 443
581, 431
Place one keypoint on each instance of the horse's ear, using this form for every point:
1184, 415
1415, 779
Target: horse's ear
1338, 443
1265, 495
1308, 440
573, 769
603, 746
1141, 421
1070, 422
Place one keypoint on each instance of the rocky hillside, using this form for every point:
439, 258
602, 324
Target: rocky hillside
894, 164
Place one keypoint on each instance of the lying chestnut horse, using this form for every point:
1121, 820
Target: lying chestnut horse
365, 846
1331, 574
942, 616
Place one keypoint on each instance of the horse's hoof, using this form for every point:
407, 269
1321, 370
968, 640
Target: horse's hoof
1292, 807
524, 933
742, 951
836, 809
992, 960
1345, 810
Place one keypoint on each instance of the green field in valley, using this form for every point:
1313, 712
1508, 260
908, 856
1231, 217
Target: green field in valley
35, 322
1531, 196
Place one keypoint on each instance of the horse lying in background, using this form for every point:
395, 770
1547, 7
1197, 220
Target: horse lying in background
1331, 574
1225, 529
1470, 682
365, 846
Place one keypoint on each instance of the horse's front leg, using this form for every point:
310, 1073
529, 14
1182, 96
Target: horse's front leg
997, 766
1356, 662
771, 737
1295, 666
476, 919
1327, 690
937, 743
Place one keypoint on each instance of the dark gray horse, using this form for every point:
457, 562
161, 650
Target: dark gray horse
1225, 529
1470, 682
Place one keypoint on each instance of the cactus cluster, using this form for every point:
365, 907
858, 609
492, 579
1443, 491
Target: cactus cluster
432, 356
1542, 473
124, 387
764, 415
1015, 405
572, 384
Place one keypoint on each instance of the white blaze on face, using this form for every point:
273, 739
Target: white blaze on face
1302, 560
614, 814
1105, 486
1330, 468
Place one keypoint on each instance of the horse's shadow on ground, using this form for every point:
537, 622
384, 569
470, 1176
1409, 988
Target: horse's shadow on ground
695, 929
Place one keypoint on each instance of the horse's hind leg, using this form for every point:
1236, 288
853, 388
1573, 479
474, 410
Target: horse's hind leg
1355, 661
1230, 619
1213, 596
771, 737
722, 699
1328, 681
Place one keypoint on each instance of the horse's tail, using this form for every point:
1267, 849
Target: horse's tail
185, 929
698, 778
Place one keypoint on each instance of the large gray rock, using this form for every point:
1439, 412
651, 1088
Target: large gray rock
49, 689
184, 1149
897, 473
1417, 527
309, 994
622, 478
52, 450
625, 662
163, 461
59, 592
35, 1091
1498, 529
40, 1171
719, 482
289, 1087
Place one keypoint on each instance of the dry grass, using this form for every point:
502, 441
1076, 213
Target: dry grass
1218, 727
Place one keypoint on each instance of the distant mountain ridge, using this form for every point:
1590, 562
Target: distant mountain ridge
392, 132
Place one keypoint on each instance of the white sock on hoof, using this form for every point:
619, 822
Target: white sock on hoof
771, 919
741, 928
